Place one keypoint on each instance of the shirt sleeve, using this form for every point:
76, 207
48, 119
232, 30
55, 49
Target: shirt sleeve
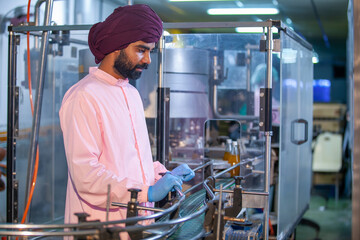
158, 168
82, 132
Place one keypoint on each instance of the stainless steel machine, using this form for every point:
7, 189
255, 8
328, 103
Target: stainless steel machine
199, 91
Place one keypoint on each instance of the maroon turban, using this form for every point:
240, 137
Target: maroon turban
124, 26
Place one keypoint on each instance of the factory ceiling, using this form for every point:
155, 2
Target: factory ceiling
323, 23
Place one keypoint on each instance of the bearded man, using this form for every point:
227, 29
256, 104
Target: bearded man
103, 123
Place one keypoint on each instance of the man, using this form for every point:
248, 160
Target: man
103, 123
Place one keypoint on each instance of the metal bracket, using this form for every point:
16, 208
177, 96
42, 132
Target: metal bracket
16, 112
132, 211
265, 109
162, 124
16, 200
61, 38
17, 40
12, 132
208, 170
276, 45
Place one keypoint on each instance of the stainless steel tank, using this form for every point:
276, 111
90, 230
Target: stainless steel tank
186, 73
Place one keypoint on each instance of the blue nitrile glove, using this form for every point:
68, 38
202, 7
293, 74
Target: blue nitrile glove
183, 172
161, 188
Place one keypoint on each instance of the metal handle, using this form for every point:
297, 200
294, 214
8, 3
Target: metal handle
177, 189
300, 121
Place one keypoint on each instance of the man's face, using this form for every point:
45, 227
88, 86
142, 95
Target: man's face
132, 60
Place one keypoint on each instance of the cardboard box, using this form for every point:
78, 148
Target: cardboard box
336, 126
326, 178
329, 110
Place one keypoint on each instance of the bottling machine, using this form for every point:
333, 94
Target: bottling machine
200, 90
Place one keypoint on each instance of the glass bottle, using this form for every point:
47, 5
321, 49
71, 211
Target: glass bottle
234, 159
227, 149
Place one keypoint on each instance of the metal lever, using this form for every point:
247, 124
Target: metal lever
177, 189
81, 217
237, 197
238, 180
132, 211
132, 204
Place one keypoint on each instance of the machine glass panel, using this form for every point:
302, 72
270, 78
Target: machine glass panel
65, 66
210, 76
296, 133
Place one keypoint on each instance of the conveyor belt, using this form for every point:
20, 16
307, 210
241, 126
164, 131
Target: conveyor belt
192, 228
236, 232
187, 229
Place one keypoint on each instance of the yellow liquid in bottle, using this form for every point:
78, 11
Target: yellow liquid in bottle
234, 159
226, 156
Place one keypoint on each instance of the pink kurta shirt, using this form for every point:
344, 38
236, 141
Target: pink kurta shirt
106, 142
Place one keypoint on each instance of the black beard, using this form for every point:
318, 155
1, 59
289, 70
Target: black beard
123, 66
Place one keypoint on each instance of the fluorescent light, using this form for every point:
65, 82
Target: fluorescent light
243, 11
315, 58
254, 30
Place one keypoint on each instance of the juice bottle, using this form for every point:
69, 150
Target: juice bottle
227, 149
234, 159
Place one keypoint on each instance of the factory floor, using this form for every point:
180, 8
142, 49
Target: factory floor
334, 219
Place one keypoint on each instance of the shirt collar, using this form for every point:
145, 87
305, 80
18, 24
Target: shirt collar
104, 76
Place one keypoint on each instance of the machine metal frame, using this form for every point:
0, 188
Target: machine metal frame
12, 203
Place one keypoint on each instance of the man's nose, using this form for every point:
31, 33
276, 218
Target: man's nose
147, 58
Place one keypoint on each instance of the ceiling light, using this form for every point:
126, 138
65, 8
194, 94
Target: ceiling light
315, 58
243, 11
288, 21
254, 29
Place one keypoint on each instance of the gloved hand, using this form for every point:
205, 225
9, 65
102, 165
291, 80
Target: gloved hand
164, 185
183, 172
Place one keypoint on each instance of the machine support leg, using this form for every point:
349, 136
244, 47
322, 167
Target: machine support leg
266, 126
12, 132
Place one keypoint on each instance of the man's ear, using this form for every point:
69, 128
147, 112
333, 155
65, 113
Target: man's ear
115, 53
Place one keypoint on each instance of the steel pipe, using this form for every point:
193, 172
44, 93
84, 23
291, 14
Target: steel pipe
38, 101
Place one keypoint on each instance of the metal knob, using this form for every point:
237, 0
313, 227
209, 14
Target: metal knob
82, 216
238, 180
134, 194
